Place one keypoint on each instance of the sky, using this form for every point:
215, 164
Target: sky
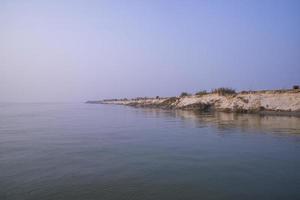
73, 51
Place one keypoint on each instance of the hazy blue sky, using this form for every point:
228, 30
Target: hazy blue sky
81, 50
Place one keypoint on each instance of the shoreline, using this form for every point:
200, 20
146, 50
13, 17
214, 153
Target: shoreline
267, 102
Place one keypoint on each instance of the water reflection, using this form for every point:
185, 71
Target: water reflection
227, 121
81, 151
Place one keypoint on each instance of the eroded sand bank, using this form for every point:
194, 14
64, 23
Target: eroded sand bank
263, 101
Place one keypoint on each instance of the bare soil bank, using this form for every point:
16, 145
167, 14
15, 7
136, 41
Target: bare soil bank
267, 102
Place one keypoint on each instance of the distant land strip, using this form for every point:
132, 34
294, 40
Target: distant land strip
222, 99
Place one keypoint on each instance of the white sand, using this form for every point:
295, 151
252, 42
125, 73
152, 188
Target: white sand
285, 101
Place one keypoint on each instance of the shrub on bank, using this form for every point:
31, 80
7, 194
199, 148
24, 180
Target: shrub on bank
184, 94
224, 91
296, 87
201, 92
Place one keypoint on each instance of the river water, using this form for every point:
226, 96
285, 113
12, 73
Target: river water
107, 152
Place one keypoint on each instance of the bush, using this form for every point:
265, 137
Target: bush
245, 92
202, 92
224, 91
184, 94
296, 87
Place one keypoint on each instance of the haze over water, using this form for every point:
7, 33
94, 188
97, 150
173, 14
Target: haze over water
86, 151
72, 51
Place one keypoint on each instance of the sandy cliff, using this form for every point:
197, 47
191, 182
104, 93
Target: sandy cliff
284, 101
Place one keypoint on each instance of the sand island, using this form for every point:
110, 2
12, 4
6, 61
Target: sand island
222, 99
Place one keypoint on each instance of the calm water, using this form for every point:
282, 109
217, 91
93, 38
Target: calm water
86, 151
